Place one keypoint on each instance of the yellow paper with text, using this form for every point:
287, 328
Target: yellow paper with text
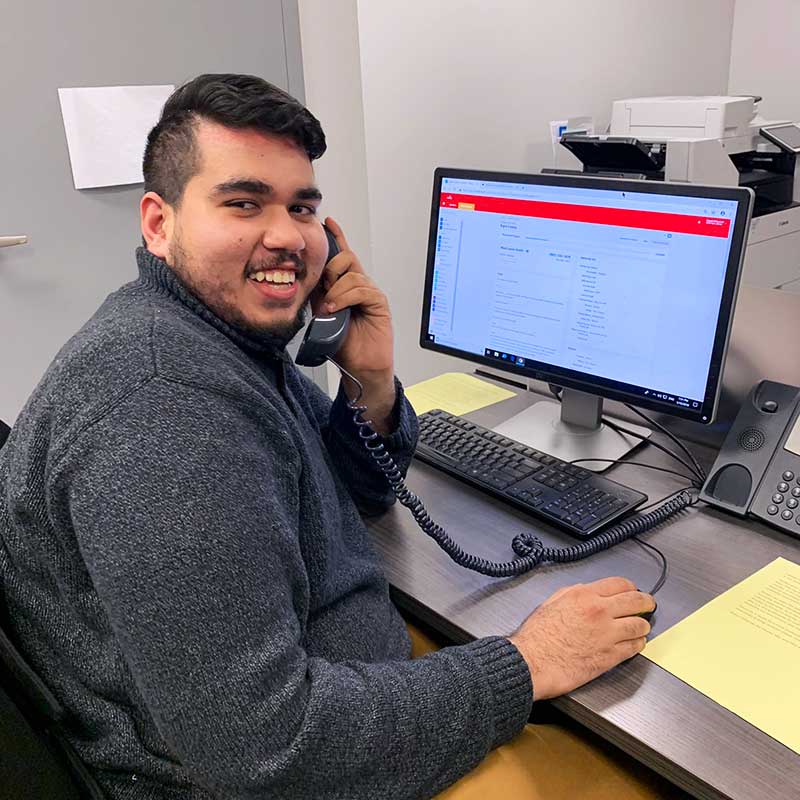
455, 392
743, 651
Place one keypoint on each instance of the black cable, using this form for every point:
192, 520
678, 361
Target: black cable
665, 498
621, 429
698, 472
662, 578
636, 464
650, 421
529, 548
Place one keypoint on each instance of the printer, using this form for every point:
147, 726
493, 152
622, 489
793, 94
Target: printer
707, 140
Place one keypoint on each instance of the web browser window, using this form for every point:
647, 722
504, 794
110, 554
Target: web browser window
621, 285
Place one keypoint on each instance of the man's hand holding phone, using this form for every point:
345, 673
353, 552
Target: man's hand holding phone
368, 350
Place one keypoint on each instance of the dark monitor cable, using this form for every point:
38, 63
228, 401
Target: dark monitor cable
698, 474
530, 549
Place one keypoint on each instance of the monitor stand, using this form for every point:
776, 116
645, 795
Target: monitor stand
572, 429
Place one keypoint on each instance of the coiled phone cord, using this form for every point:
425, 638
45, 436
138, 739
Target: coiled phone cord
529, 548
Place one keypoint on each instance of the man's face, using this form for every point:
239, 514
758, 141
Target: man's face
245, 238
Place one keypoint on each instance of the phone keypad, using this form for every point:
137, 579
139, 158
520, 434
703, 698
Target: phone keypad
785, 502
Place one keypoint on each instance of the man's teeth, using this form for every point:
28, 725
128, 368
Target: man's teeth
274, 276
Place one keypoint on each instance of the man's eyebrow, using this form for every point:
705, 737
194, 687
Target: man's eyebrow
254, 186
246, 185
308, 193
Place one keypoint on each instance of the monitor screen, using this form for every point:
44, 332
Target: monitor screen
624, 289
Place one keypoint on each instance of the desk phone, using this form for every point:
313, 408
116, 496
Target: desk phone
757, 471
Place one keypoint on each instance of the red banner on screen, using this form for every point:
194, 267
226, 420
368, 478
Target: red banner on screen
598, 215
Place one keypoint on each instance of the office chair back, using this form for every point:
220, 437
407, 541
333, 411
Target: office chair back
37, 759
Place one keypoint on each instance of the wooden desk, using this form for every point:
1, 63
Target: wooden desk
652, 715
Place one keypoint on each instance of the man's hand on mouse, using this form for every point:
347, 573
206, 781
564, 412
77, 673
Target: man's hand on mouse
581, 632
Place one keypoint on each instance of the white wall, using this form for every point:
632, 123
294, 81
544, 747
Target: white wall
764, 55
474, 84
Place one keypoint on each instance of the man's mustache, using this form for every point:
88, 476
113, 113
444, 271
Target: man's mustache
277, 261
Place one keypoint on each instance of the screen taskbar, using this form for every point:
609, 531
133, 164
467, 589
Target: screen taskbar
513, 360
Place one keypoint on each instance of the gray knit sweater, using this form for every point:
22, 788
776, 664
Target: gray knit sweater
183, 562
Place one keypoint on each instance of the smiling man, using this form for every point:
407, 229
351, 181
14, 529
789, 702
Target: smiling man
182, 557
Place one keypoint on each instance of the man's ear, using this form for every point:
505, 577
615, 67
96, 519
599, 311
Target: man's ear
158, 220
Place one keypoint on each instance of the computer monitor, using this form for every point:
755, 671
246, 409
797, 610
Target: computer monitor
619, 289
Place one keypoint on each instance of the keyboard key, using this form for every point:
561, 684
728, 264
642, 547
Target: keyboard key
555, 511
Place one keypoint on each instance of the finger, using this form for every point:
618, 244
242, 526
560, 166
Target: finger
337, 232
341, 295
629, 628
370, 299
341, 264
628, 604
348, 281
630, 648
606, 587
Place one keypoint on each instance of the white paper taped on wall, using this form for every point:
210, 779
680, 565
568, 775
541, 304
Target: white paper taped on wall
106, 128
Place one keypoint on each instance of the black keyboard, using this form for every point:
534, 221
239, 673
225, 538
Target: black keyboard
576, 499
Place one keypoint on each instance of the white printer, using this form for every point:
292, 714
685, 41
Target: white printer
708, 140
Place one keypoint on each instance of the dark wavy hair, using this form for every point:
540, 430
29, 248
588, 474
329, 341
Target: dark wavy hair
172, 157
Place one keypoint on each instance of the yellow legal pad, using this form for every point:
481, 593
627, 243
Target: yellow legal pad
743, 650
455, 392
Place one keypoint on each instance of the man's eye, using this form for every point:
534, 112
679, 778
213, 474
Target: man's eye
245, 205
304, 211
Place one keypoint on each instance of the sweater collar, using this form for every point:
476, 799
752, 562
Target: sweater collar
155, 273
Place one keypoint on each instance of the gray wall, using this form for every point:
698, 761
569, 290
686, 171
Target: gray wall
81, 243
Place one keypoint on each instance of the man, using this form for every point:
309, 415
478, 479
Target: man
182, 558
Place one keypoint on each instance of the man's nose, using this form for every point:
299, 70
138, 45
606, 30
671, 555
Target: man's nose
283, 233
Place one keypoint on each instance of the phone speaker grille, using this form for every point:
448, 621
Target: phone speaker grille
751, 439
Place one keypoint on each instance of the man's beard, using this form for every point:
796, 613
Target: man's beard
281, 333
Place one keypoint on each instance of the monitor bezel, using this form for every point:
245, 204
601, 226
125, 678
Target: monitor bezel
572, 379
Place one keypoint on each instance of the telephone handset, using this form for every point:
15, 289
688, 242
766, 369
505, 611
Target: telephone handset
757, 471
324, 334
322, 340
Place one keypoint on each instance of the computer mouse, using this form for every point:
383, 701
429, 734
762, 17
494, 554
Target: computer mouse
648, 615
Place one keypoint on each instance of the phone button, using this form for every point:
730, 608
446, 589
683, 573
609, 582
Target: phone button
772, 510
777, 498
788, 475
787, 515
783, 487
769, 406
796, 491
791, 503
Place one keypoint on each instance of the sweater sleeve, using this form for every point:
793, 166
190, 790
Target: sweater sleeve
185, 507
367, 484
